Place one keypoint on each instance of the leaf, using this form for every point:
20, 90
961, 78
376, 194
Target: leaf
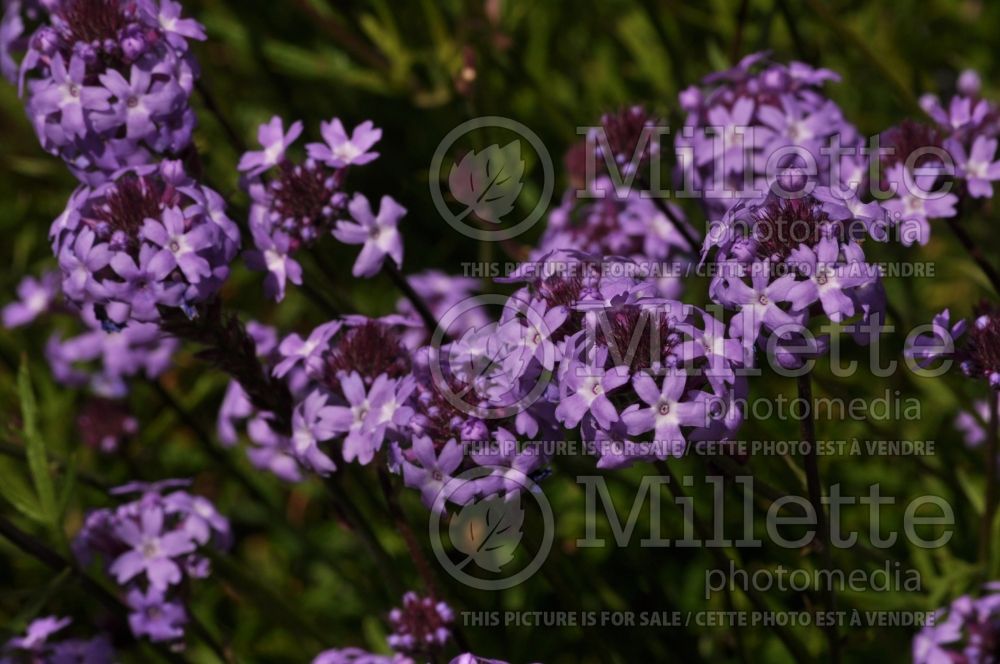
38, 462
15, 490
488, 182
488, 531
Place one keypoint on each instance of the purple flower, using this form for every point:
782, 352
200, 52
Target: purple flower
420, 626
271, 255
312, 423
916, 202
37, 646
308, 352
972, 423
378, 234
107, 84
156, 617
938, 342
275, 141
433, 469
144, 283
152, 550
341, 150
966, 632
365, 417
182, 243
80, 261
666, 412
38, 633
165, 248
178, 30
358, 656
979, 167
67, 96
759, 303
35, 297
150, 546
585, 388
135, 103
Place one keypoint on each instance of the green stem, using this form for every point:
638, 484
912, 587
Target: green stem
796, 649
811, 462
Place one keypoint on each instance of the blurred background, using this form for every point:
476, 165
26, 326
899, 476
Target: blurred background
298, 581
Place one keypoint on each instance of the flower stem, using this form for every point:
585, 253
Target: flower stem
230, 347
362, 528
992, 458
811, 463
796, 649
399, 518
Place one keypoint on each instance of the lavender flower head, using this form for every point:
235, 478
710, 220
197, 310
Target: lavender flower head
966, 632
295, 204
107, 83
974, 345
150, 239
37, 645
420, 626
759, 123
151, 546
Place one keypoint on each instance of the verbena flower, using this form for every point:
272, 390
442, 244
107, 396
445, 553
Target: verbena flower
974, 345
780, 261
757, 125
35, 297
103, 360
107, 83
143, 242
295, 204
151, 546
421, 626
965, 632
376, 232
37, 645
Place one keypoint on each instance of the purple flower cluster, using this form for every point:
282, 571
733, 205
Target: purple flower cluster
149, 239
420, 626
975, 346
296, 204
99, 358
778, 261
968, 130
36, 646
760, 125
966, 632
151, 547
420, 632
108, 82
608, 221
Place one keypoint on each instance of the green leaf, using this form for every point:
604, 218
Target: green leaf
38, 462
16, 491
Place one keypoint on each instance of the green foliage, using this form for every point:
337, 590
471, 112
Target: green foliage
299, 580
